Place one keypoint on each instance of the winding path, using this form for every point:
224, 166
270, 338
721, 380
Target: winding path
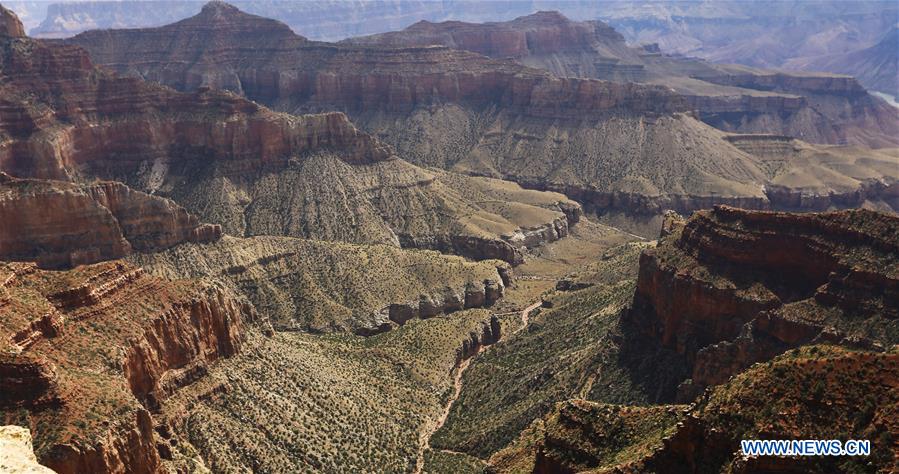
424, 440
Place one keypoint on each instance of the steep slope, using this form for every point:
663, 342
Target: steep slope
820, 392
60, 224
88, 353
230, 161
614, 146
726, 290
329, 286
730, 288
569, 350
812, 107
300, 403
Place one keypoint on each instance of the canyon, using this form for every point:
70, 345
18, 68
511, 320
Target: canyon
458, 247
459, 110
67, 120
802, 279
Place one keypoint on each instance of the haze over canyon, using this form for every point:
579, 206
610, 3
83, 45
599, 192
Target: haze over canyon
447, 237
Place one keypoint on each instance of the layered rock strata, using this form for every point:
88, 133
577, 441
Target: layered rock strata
458, 110
60, 224
337, 287
734, 98
221, 157
730, 287
139, 337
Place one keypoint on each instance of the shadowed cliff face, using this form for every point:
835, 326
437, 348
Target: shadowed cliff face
617, 147
819, 392
729, 288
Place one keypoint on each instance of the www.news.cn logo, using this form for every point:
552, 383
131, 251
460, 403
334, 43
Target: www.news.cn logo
805, 447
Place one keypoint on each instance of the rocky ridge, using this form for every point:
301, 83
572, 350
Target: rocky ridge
336, 287
145, 337
809, 106
67, 120
60, 224
802, 279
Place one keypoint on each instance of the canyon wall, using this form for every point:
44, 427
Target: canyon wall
60, 224
459, 110
152, 336
802, 278
816, 107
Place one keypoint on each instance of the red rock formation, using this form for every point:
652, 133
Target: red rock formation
731, 287
62, 115
141, 337
10, 26
60, 224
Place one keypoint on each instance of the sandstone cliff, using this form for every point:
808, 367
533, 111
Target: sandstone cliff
115, 344
59, 224
10, 26
734, 98
729, 287
231, 161
456, 109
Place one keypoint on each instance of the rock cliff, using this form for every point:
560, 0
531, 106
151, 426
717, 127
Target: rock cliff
729, 287
455, 109
292, 73
734, 98
231, 161
61, 116
119, 343
60, 224
10, 26
795, 396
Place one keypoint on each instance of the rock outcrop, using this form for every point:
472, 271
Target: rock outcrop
146, 337
796, 396
60, 224
10, 26
490, 333
730, 287
336, 287
16, 453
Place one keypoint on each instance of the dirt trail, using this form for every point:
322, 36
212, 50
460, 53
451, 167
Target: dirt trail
424, 441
